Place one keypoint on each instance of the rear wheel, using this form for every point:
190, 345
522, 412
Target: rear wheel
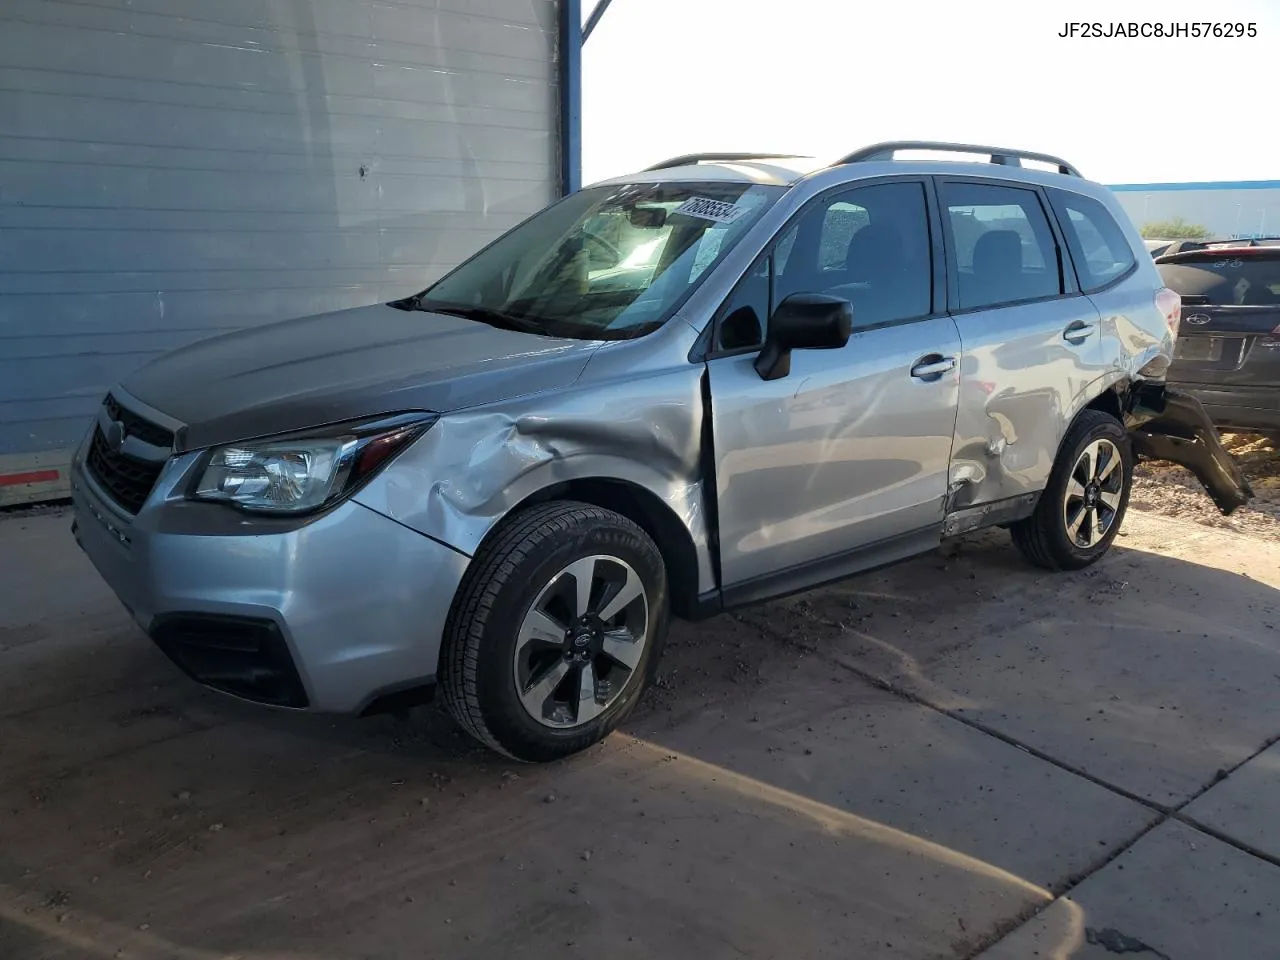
1083, 505
556, 630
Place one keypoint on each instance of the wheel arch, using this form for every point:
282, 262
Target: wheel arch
648, 511
1113, 400
1045, 536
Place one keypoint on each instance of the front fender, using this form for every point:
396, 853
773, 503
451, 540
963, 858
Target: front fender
1167, 424
473, 467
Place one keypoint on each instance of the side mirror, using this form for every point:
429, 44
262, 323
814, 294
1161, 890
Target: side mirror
803, 321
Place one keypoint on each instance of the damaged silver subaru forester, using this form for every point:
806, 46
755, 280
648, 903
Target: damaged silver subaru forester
713, 382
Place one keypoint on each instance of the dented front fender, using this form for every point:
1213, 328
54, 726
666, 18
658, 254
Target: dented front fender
1167, 424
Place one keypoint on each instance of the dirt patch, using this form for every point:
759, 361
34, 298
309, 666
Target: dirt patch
1172, 491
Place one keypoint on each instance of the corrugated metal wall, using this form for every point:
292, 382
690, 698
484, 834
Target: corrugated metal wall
170, 169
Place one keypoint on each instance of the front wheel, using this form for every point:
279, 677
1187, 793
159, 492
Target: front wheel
1083, 505
556, 630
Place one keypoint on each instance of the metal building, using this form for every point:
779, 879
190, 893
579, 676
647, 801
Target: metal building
172, 169
1228, 210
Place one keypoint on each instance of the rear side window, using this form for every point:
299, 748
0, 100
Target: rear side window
1247, 281
1098, 246
1003, 246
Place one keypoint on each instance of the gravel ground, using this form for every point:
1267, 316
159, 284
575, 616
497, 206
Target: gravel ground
901, 766
1172, 491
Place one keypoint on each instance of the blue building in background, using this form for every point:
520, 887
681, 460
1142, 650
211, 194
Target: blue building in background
1228, 210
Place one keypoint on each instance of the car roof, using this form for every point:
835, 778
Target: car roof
790, 173
877, 160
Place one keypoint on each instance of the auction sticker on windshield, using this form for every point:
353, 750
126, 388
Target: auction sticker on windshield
707, 209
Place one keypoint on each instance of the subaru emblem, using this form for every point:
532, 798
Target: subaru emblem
1199, 319
114, 436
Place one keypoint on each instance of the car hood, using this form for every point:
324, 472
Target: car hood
345, 365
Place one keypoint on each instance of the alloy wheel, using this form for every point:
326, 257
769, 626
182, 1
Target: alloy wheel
1092, 500
580, 641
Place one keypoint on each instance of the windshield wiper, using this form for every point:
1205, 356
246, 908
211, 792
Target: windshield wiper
407, 303
495, 318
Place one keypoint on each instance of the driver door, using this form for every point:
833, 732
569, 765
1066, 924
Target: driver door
842, 464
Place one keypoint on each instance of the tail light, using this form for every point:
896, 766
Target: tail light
1170, 306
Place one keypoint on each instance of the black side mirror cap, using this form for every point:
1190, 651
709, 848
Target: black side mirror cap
803, 321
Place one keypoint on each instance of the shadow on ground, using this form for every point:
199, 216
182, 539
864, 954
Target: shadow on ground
858, 771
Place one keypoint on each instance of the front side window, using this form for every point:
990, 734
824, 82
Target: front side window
606, 263
869, 245
1003, 246
1098, 246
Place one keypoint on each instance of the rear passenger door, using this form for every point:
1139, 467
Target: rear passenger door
1031, 344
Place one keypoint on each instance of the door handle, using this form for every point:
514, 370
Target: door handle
932, 367
1076, 331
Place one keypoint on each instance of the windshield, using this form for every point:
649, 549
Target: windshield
606, 263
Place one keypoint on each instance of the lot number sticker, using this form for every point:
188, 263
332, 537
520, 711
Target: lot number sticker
707, 209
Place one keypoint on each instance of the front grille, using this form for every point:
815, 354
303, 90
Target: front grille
238, 655
126, 480
135, 426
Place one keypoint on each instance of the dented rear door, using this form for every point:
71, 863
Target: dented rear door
1032, 342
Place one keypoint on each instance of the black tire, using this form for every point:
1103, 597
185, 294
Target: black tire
513, 565
1043, 537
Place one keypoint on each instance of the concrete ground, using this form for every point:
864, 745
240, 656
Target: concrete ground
957, 757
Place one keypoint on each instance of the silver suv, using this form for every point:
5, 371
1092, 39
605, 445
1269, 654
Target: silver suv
707, 384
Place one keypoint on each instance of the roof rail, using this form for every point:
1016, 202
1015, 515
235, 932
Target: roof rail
999, 155
690, 158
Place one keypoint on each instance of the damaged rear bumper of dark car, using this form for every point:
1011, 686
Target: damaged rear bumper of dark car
1168, 424
1249, 409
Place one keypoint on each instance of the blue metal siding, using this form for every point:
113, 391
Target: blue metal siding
171, 169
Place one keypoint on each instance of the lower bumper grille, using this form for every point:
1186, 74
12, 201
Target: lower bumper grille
238, 655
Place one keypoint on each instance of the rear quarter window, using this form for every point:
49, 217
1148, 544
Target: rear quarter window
1098, 246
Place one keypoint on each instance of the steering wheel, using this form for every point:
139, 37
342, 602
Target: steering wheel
614, 254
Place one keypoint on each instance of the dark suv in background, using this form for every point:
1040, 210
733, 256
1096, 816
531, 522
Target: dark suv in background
1228, 349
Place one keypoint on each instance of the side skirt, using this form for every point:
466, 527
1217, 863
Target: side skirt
817, 573
998, 513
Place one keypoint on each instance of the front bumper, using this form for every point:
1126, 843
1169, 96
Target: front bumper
332, 613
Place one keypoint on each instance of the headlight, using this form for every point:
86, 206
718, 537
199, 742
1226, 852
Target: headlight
304, 472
